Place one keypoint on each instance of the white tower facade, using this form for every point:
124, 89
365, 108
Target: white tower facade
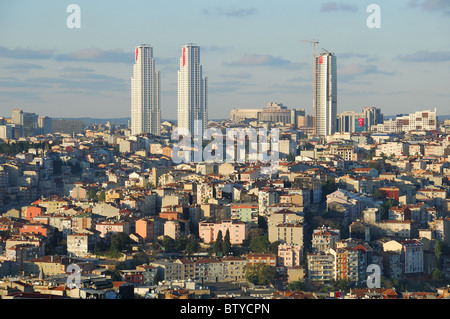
145, 93
325, 102
192, 91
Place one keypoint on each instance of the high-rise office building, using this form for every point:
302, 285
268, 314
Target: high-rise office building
192, 91
325, 99
145, 93
27, 122
44, 125
373, 116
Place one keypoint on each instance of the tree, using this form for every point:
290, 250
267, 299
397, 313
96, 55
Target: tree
260, 273
169, 244
297, 286
218, 244
101, 197
262, 223
328, 187
92, 194
260, 244
119, 241
438, 253
226, 246
192, 245
437, 276
378, 194
290, 158
307, 146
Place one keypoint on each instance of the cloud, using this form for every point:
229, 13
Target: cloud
335, 6
14, 82
76, 69
300, 79
230, 11
23, 67
25, 53
352, 55
350, 72
34, 97
97, 55
240, 75
431, 5
215, 48
264, 60
425, 56
171, 61
81, 81
86, 81
83, 55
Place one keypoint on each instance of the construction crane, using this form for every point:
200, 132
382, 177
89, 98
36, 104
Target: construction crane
314, 42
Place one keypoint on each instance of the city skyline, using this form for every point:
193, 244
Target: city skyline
252, 51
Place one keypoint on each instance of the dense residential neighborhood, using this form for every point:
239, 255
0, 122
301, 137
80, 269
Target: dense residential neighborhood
106, 214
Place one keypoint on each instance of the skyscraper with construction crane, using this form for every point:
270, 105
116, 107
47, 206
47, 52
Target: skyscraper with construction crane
325, 90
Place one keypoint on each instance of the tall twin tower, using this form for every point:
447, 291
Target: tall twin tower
145, 92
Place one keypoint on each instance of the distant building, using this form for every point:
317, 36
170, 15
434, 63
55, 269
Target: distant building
44, 125
352, 122
67, 126
27, 121
273, 113
418, 121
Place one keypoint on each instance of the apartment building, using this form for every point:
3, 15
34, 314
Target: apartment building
238, 230
79, 245
321, 267
412, 255
106, 227
149, 228
255, 258
290, 255
288, 233
397, 149
324, 238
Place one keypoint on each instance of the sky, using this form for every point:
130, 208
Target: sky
251, 51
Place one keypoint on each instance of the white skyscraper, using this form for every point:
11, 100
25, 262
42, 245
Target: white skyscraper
145, 93
192, 90
325, 100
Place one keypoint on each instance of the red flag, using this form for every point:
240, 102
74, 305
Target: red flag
361, 122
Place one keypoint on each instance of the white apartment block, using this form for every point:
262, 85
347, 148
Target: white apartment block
78, 245
418, 121
396, 149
